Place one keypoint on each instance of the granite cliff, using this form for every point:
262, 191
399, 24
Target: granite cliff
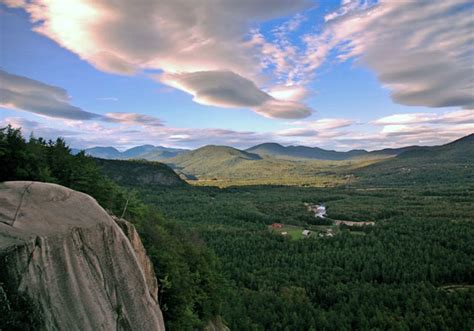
78, 267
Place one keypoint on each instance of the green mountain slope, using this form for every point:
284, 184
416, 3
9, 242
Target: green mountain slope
209, 160
450, 163
302, 152
138, 173
316, 153
223, 166
162, 153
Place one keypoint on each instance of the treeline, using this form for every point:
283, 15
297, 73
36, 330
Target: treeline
189, 284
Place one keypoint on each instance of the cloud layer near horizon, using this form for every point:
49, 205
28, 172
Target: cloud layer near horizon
179, 37
332, 133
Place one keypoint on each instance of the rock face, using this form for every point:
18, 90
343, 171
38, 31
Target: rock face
72, 260
138, 173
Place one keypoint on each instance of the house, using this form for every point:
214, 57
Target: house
306, 233
329, 233
277, 225
320, 211
284, 233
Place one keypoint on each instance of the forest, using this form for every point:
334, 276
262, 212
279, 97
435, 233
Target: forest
215, 255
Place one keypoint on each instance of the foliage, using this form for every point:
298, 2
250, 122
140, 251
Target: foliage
18, 312
214, 253
392, 276
190, 297
139, 172
226, 166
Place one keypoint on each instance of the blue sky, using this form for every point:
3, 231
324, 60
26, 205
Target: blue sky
353, 89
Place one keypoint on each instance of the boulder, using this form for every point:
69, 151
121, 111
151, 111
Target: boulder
74, 263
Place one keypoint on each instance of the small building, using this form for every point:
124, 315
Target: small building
277, 225
306, 233
284, 233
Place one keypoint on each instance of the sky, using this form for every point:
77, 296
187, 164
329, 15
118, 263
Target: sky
179, 73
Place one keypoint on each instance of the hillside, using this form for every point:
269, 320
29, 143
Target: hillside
223, 166
449, 163
315, 153
162, 153
136, 173
302, 152
208, 160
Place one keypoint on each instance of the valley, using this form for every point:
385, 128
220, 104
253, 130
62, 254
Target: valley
391, 246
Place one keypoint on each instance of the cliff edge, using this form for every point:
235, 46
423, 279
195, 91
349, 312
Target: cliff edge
75, 264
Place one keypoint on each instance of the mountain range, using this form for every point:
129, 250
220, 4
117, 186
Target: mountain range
316, 153
273, 163
158, 153
146, 152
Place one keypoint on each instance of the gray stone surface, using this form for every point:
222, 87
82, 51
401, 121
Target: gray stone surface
68, 255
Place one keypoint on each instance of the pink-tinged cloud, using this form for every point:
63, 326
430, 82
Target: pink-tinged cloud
227, 89
83, 134
460, 116
420, 50
175, 36
325, 127
133, 119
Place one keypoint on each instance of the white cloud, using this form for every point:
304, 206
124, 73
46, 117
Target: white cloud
453, 117
133, 119
325, 127
227, 89
83, 134
108, 99
175, 36
421, 50
289, 93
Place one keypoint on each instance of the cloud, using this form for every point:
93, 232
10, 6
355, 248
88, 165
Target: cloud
420, 50
289, 93
176, 36
218, 88
108, 99
26, 94
298, 132
331, 123
325, 127
227, 89
453, 117
83, 134
89, 134
23, 93
133, 119
39, 129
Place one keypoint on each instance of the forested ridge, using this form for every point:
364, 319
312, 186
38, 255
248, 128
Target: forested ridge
215, 254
